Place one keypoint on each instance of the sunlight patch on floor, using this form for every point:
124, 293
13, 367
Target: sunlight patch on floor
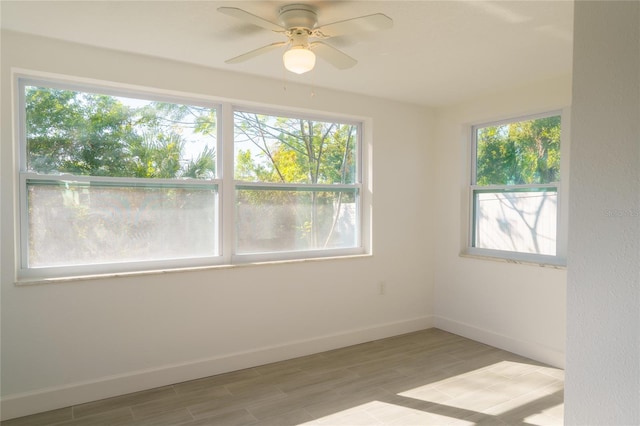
383, 413
502, 393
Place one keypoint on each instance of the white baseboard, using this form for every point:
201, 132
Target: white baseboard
18, 405
530, 350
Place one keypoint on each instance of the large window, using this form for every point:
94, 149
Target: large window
514, 188
115, 181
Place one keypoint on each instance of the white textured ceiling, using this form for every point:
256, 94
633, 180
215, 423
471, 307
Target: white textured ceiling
437, 53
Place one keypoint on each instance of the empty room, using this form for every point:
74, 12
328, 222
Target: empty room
320, 212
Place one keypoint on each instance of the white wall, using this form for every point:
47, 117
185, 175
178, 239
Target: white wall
603, 313
516, 307
71, 342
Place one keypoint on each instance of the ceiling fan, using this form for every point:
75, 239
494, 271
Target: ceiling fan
299, 23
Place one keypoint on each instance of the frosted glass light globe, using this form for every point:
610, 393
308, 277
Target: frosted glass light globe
299, 60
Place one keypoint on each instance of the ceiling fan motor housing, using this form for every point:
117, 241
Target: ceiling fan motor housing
298, 16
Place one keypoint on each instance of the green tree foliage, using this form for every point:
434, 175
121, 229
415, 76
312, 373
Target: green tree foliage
293, 150
525, 152
99, 135
69, 132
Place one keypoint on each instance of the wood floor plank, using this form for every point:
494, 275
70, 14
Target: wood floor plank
124, 401
42, 419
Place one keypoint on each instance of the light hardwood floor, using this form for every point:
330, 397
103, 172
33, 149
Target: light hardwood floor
429, 377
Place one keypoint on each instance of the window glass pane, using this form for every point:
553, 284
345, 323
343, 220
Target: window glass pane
94, 134
521, 221
294, 150
274, 220
523, 152
81, 224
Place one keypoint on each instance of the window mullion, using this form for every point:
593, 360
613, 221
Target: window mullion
293, 186
514, 188
228, 191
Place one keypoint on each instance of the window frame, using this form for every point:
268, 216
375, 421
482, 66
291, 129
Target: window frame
361, 246
470, 250
223, 181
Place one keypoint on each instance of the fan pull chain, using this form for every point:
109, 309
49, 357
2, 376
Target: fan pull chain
284, 80
312, 92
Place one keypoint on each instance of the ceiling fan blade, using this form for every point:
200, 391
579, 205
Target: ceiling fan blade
375, 22
332, 55
251, 18
257, 52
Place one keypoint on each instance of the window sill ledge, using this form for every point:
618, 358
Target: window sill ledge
132, 274
558, 264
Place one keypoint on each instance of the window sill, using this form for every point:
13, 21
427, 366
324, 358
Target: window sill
70, 279
515, 258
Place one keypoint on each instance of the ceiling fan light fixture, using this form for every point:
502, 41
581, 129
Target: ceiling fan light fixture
299, 59
299, 23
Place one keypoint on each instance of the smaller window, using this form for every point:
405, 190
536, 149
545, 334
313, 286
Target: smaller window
514, 188
297, 184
